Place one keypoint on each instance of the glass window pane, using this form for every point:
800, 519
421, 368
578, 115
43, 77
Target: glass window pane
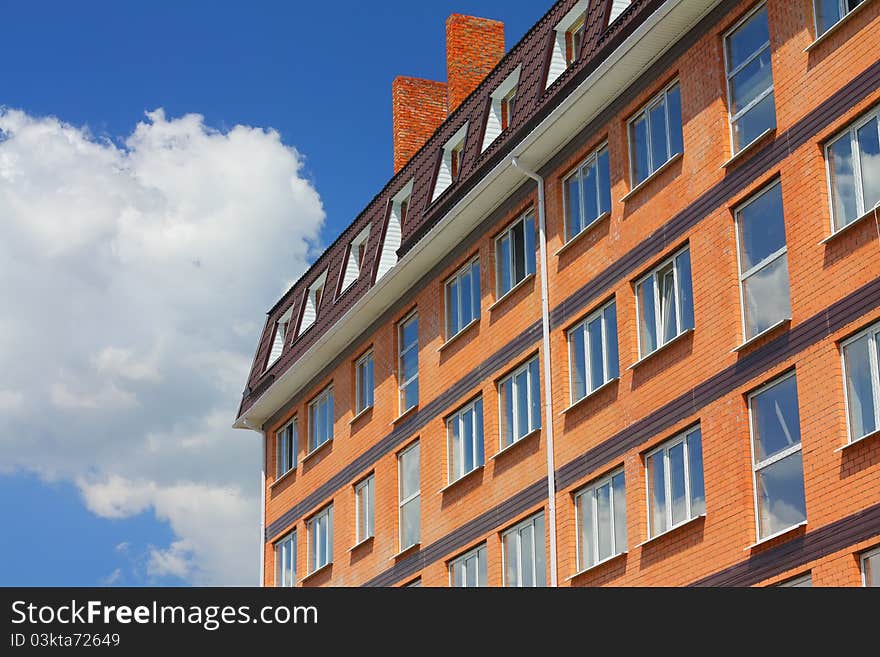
470, 566
467, 441
843, 182
519, 251
827, 14
411, 395
748, 38
657, 493
617, 483
611, 356
659, 145
466, 296
668, 310
573, 205
673, 109
775, 418
578, 361
452, 308
475, 290
781, 495
752, 124
535, 383
506, 400
455, 469
586, 556
685, 290
761, 228
511, 559
410, 332
504, 274
647, 316
604, 181
526, 542
411, 522
871, 565
677, 484
540, 565
591, 194
481, 567
750, 82
869, 160
455, 573
860, 388
409, 472
478, 432
639, 150
521, 386
530, 244
695, 468
766, 297
603, 508
597, 369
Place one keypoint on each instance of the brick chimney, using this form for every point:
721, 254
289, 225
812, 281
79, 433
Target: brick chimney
473, 47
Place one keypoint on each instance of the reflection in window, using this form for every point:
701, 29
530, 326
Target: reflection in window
665, 303
408, 362
592, 352
285, 448
655, 134
831, 12
469, 570
364, 515
871, 568
777, 464
601, 520
321, 539
861, 373
285, 561
519, 399
675, 483
763, 262
364, 382
854, 170
587, 193
798, 582
409, 485
462, 298
321, 419
464, 432
515, 254
523, 545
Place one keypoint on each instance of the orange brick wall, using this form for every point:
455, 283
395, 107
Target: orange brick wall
837, 483
418, 108
473, 47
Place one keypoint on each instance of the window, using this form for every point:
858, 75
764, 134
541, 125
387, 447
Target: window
763, 262
313, 301
776, 454
507, 105
286, 447
871, 568
749, 79
568, 41
587, 193
523, 545
655, 134
601, 520
675, 482
469, 570
464, 435
665, 303
396, 219
450, 161
501, 105
357, 252
861, 373
320, 528
831, 12
408, 362
409, 497
463, 298
281, 328
364, 382
574, 39
515, 254
796, 582
854, 170
592, 352
519, 401
364, 514
321, 419
285, 561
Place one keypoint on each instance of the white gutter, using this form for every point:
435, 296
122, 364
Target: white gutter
546, 365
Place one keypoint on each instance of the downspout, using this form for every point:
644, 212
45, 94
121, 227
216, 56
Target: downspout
548, 384
262, 500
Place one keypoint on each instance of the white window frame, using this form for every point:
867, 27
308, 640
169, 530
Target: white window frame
324, 549
478, 458
844, 13
873, 334
665, 447
513, 389
588, 492
504, 95
289, 544
851, 131
279, 339
460, 562
364, 493
403, 501
280, 470
766, 262
322, 397
644, 113
806, 579
401, 352
470, 267
729, 75
508, 233
658, 326
863, 559
590, 161
536, 545
606, 350
360, 394
758, 466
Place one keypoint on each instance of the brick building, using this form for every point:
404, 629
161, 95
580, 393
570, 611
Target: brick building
615, 319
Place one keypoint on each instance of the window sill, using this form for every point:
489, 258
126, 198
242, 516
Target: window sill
660, 348
317, 449
781, 532
405, 414
747, 149
460, 479
360, 414
767, 331
577, 238
314, 573
858, 441
464, 329
360, 544
834, 28
870, 213
588, 396
412, 548
511, 446
510, 292
672, 530
282, 478
635, 190
596, 565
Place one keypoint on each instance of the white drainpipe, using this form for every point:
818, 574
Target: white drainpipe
262, 501
548, 384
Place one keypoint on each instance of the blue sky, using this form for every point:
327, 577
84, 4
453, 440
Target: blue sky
115, 447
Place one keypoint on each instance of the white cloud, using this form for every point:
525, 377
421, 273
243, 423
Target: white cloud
139, 273
112, 578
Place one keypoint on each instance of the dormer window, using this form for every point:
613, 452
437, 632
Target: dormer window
617, 8
568, 42
313, 302
357, 252
281, 328
502, 103
396, 219
450, 163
